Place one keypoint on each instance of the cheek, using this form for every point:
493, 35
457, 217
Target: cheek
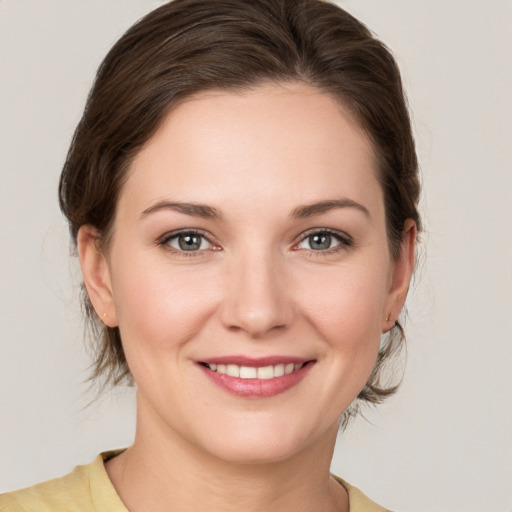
346, 312
346, 306
160, 306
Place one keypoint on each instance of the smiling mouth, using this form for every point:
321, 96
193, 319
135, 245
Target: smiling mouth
256, 378
252, 372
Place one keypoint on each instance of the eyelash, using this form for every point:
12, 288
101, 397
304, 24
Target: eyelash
345, 241
165, 240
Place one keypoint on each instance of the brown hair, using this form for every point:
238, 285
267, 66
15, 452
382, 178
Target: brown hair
188, 46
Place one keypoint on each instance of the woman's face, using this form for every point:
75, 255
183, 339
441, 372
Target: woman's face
249, 272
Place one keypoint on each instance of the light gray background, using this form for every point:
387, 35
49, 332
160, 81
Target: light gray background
444, 443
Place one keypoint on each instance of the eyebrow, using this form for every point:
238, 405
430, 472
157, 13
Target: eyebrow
324, 206
301, 212
193, 209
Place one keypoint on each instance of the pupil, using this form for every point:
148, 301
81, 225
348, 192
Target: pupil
189, 242
319, 242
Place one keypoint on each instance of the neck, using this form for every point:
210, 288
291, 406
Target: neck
162, 472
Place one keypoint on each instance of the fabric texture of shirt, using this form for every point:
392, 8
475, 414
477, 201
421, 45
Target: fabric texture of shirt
89, 489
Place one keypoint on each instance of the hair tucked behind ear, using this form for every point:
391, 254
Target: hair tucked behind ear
188, 46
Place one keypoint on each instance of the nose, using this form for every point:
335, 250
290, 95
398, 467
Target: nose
257, 300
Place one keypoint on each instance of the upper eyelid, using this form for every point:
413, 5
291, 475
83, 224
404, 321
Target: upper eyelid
173, 234
339, 234
182, 231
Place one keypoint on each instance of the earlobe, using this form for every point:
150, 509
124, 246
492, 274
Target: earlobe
96, 275
402, 271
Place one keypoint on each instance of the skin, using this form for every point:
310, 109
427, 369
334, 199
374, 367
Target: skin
255, 287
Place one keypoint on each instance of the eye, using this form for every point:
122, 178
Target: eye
324, 240
186, 241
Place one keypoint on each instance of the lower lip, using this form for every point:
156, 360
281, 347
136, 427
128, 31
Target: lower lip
257, 388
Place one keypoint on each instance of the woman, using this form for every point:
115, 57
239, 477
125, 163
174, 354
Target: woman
242, 191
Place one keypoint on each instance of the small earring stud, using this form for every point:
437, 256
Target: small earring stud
388, 317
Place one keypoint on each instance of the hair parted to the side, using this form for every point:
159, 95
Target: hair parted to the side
189, 46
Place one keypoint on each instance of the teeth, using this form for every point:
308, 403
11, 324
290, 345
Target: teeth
251, 372
248, 372
278, 370
233, 370
267, 372
289, 368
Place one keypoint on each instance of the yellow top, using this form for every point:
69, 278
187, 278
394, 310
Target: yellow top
88, 489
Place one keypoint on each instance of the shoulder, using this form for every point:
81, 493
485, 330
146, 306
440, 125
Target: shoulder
82, 490
70, 492
358, 501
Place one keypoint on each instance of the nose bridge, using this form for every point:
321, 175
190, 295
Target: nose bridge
256, 300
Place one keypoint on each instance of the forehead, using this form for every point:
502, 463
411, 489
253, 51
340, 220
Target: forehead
265, 144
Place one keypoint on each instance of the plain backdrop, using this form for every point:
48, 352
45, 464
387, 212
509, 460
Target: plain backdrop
444, 443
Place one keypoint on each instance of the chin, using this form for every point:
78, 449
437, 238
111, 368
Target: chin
266, 451
263, 442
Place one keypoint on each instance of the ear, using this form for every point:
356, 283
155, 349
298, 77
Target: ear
400, 277
96, 274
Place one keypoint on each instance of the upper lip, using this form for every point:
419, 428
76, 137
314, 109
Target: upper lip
255, 361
